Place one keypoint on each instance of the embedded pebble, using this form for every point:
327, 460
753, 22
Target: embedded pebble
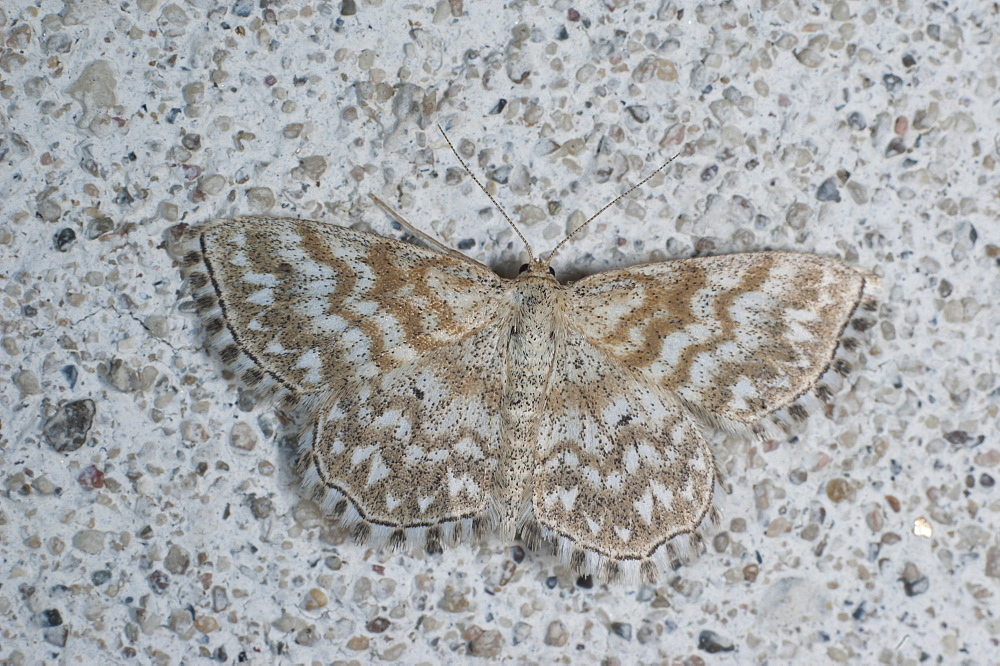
91, 478
220, 599
798, 215
70, 373
262, 507
308, 514
837, 490
828, 190
288, 623
484, 643
317, 598
993, 562
260, 199
311, 168
49, 618
67, 429
358, 643
914, 582
64, 239
181, 623
711, 642
57, 636
206, 624
454, 601
158, 582
307, 636
622, 629
27, 381
158, 325
242, 437
89, 541
177, 560
49, 210
556, 634
122, 377
378, 625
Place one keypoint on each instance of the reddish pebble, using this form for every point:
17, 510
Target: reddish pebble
902, 124
91, 478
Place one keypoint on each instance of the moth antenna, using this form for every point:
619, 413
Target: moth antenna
609, 205
513, 226
430, 240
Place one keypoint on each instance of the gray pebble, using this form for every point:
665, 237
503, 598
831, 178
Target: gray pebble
89, 541
623, 629
242, 437
895, 147
828, 190
70, 373
501, 174
639, 112
220, 599
914, 582
993, 562
556, 634
50, 617
64, 239
797, 216
262, 507
311, 167
158, 581
308, 514
181, 622
27, 381
67, 430
487, 644
57, 635
646, 633
191, 141
10, 346
261, 198
177, 560
158, 326
307, 636
243, 8
711, 642
521, 633
194, 93
122, 377
892, 82
49, 210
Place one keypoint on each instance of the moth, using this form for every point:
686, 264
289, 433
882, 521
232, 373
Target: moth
440, 401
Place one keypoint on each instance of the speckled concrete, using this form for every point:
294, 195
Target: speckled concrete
149, 511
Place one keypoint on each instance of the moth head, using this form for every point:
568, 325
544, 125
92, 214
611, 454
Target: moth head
537, 266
